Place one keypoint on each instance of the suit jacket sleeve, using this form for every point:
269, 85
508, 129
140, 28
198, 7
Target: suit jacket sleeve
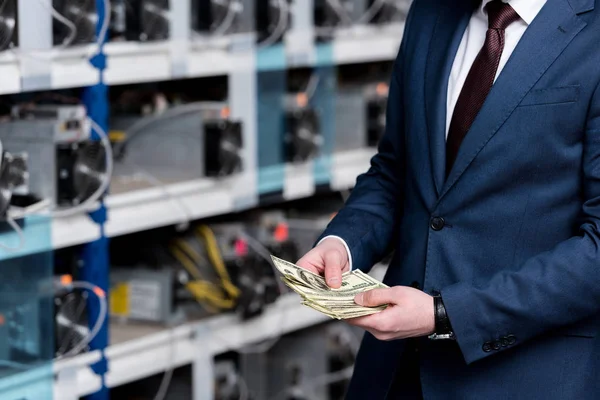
551, 290
368, 220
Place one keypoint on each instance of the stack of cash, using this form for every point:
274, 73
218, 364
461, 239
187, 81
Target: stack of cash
316, 294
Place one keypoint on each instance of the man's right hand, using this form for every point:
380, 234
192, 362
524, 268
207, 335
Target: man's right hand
328, 259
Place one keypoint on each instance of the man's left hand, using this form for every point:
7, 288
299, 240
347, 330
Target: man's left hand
410, 313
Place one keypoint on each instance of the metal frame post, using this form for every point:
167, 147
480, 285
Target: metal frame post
95, 255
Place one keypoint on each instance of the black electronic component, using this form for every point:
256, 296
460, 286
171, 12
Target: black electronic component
302, 140
324, 15
389, 11
222, 17
272, 19
330, 15
65, 166
79, 171
140, 20
209, 15
223, 147
13, 173
204, 15
84, 16
71, 320
377, 96
8, 24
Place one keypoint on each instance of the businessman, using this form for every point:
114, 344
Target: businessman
487, 186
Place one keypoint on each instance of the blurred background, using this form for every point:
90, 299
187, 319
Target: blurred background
154, 153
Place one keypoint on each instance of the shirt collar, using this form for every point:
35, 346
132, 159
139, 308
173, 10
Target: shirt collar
527, 9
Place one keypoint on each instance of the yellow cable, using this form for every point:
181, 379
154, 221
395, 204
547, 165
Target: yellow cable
214, 254
184, 261
201, 294
202, 290
193, 254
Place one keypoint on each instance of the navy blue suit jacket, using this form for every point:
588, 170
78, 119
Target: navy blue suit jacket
518, 259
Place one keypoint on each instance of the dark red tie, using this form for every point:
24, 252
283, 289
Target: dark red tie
480, 79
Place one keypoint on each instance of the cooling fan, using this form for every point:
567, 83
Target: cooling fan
302, 140
272, 20
155, 19
13, 173
8, 24
71, 322
89, 170
83, 15
213, 16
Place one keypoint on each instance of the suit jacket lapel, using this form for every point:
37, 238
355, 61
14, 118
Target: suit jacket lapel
452, 21
545, 39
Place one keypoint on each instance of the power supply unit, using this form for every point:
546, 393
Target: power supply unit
302, 138
64, 165
222, 17
82, 14
143, 294
140, 20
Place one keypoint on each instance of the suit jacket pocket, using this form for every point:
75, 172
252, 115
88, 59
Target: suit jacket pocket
555, 95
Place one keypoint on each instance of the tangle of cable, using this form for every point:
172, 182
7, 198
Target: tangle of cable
212, 297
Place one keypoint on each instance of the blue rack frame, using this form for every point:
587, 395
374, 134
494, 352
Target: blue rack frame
95, 255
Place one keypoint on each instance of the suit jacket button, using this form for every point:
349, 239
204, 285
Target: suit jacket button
487, 347
437, 223
504, 341
511, 339
496, 345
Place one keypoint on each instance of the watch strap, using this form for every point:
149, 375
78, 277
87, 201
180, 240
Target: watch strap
443, 329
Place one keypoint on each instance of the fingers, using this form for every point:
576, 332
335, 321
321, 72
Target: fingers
310, 263
329, 259
379, 325
376, 297
333, 268
372, 324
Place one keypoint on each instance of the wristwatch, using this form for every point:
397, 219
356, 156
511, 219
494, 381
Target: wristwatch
443, 329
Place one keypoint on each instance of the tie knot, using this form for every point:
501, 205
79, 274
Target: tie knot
500, 14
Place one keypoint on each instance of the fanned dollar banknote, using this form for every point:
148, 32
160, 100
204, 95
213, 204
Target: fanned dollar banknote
316, 294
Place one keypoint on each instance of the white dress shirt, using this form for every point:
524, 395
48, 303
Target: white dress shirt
472, 42
474, 38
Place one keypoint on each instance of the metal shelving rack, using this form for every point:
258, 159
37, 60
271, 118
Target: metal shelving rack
116, 362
